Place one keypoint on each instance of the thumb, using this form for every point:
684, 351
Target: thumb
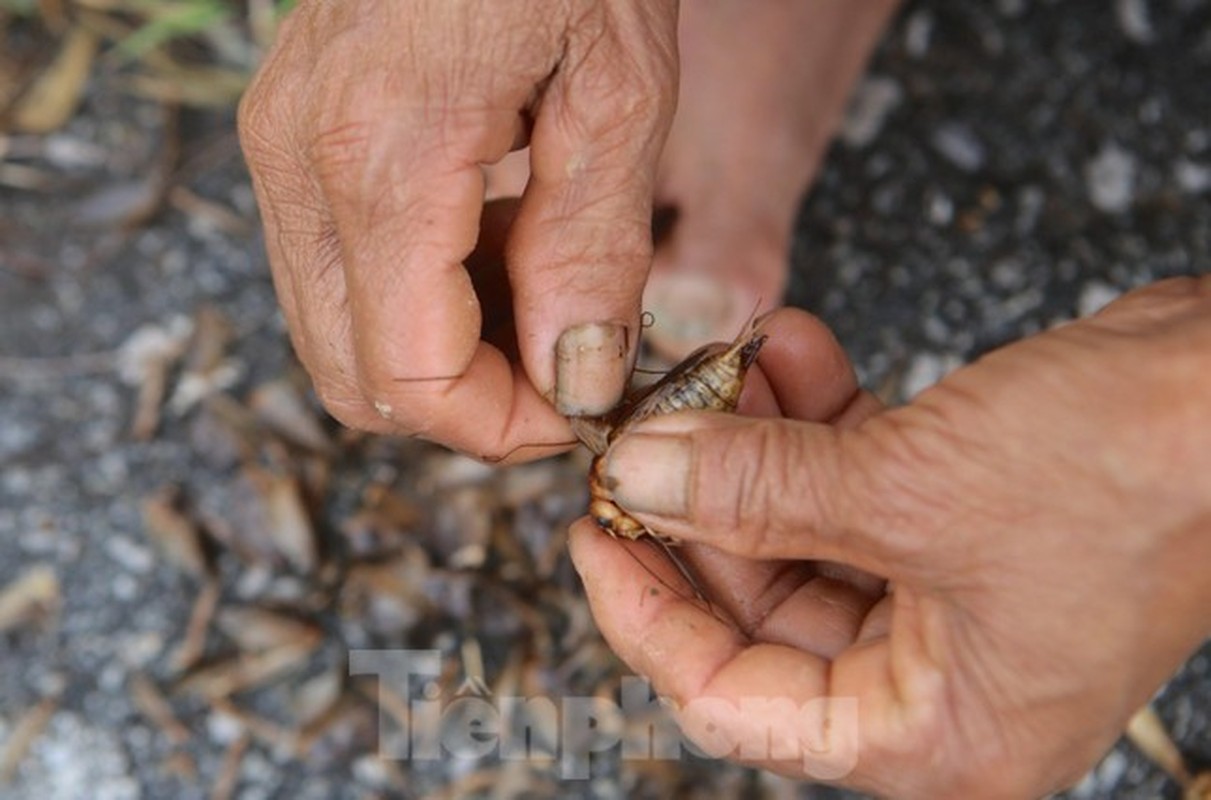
764, 489
581, 246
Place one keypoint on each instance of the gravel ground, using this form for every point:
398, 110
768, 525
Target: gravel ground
1008, 165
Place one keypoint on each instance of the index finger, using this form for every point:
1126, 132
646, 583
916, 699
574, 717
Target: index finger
406, 193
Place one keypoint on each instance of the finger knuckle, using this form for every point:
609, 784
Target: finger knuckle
751, 477
259, 124
345, 405
625, 62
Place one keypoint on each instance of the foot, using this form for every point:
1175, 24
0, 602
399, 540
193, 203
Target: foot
763, 89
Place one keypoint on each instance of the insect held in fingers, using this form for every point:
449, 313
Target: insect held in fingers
709, 379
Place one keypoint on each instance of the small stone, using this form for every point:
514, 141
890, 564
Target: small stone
926, 369
1191, 177
75, 759
129, 555
872, 103
1110, 771
124, 587
1095, 296
918, 33
1110, 179
223, 729
1135, 21
940, 209
371, 771
1031, 201
1008, 273
959, 145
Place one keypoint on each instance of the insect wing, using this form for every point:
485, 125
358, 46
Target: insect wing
648, 402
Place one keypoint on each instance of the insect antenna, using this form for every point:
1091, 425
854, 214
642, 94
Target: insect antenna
428, 378
698, 597
487, 459
684, 570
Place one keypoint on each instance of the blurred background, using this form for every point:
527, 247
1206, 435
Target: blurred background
189, 548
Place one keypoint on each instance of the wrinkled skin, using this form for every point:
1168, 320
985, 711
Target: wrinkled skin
366, 132
1044, 516
375, 130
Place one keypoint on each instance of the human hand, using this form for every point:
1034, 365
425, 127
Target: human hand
1044, 516
366, 132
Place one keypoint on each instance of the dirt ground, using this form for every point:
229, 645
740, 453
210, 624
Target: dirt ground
197, 549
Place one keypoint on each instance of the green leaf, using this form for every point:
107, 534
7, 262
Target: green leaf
169, 21
20, 8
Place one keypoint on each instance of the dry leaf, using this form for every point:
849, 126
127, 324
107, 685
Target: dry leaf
152, 704
212, 334
246, 671
462, 526
27, 729
208, 371
30, 598
286, 516
229, 771
1199, 788
1148, 733
200, 87
256, 630
144, 361
208, 212
52, 100
23, 176
349, 725
121, 204
180, 766
274, 736
387, 598
280, 407
175, 533
193, 646
382, 524
316, 696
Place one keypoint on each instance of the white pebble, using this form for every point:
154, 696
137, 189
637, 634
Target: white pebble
74, 759
1134, 19
223, 729
133, 557
1095, 296
123, 587
1110, 179
872, 103
1111, 771
1191, 177
918, 32
927, 369
1008, 273
940, 210
959, 145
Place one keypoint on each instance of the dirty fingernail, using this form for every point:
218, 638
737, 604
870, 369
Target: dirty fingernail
592, 365
650, 474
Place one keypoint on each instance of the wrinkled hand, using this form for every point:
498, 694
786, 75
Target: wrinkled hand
1043, 517
365, 133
